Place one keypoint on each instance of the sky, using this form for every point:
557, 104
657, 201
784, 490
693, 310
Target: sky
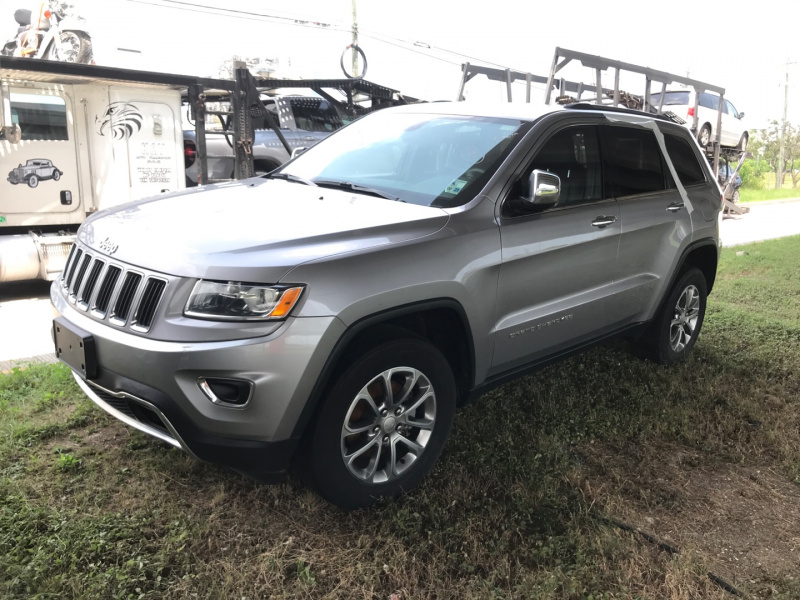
418, 46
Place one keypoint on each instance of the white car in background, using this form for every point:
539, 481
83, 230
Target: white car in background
682, 104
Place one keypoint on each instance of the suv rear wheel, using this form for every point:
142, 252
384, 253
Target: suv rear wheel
675, 329
382, 425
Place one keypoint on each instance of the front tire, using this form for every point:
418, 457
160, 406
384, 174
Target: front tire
743, 143
382, 424
676, 327
33, 181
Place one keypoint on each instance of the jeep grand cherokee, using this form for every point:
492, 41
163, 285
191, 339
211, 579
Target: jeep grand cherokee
333, 314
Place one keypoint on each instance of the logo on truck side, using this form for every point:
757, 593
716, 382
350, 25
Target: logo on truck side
121, 119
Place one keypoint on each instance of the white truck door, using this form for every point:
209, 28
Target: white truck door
39, 175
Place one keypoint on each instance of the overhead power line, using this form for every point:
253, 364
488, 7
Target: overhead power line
304, 21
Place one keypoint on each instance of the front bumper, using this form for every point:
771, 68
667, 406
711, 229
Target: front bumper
152, 385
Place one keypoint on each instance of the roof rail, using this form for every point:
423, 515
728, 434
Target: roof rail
617, 109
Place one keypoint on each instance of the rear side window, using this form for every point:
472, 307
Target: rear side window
684, 160
313, 114
633, 161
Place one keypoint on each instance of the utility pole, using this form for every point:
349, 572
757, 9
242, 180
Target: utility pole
355, 40
782, 149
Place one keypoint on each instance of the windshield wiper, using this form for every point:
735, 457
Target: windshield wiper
354, 187
290, 177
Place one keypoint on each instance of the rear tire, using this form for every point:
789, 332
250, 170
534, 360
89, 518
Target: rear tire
704, 136
382, 424
674, 331
71, 46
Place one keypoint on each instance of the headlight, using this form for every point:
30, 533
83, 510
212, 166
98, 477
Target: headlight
241, 301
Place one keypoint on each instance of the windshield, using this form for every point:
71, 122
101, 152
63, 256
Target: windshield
432, 160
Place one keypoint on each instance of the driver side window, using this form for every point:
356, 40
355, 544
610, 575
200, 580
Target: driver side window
574, 155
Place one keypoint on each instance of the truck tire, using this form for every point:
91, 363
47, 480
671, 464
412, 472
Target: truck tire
382, 424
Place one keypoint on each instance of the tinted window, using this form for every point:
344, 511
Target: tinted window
711, 101
39, 117
573, 154
684, 160
634, 161
671, 99
315, 114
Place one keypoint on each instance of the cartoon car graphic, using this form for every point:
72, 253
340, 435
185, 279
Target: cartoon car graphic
34, 171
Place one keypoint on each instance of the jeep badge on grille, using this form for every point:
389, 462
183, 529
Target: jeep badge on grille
108, 247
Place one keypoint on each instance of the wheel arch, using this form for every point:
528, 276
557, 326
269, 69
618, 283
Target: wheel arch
703, 255
441, 322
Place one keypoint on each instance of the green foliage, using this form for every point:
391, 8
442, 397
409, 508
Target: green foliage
752, 173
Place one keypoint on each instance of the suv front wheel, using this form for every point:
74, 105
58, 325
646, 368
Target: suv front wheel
676, 327
383, 424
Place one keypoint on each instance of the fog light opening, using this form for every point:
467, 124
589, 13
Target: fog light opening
234, 393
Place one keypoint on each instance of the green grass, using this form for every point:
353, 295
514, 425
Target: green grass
91, 509
753, 195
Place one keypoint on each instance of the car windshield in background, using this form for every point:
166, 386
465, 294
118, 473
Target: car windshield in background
431, 160
671, 99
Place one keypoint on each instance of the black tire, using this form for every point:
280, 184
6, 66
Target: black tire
674, 331
735, 198
704, 136
743, 143
389, 455
33, 181
262, 167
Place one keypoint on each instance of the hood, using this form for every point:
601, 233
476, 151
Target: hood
253, 230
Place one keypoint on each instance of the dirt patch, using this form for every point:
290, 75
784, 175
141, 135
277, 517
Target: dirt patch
745, 520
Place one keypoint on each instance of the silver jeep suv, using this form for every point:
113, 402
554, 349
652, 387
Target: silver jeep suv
333, 314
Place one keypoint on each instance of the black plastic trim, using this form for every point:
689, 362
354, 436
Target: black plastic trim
263, 461
363, 324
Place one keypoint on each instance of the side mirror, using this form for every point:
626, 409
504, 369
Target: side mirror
544, 189
297, 152
12, 133
741, 115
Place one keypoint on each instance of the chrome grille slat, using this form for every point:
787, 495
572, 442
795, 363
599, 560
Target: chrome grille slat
91, 281
127, 292
125, 297
79, 275
107, 287
148, 303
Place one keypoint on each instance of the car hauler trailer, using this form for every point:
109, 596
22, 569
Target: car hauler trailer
78, 138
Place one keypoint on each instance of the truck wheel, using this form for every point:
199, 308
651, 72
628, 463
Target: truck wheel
704, 136
674, 331
33, 181
382, 426
56, 174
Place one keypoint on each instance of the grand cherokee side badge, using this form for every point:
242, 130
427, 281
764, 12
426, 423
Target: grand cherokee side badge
108, 247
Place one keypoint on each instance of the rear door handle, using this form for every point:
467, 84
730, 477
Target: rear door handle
675, 206
603, 221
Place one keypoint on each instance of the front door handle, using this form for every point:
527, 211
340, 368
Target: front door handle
603, 221
675, 206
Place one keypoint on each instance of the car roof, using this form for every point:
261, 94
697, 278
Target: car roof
524, 112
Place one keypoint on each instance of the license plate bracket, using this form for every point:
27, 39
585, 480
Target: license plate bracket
75, 347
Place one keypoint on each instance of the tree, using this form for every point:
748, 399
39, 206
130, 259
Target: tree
767, 142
